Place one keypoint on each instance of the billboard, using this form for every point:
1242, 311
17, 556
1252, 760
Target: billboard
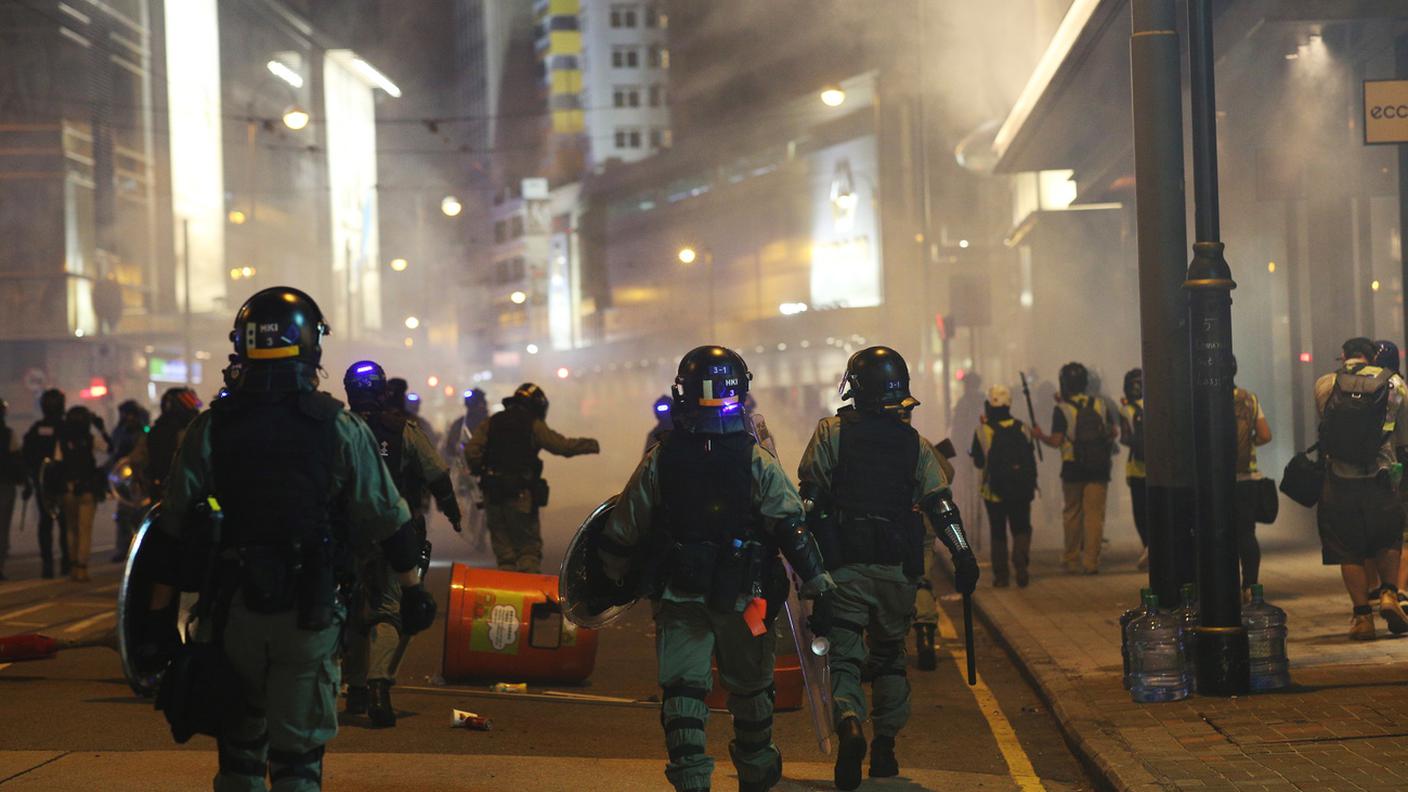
845, 229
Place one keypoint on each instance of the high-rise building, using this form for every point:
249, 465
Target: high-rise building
625, 63
558, 46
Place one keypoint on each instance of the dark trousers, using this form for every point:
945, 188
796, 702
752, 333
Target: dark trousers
46, 540
127, 520
1016, 517
1244, 518
1139, 499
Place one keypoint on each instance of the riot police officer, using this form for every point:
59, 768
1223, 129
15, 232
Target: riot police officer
40, 452
280, 457
865, 472
374, 645
663, 422
503, 453
710, 509
132, 425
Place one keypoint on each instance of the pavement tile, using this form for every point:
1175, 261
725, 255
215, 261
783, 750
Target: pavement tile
1341, 727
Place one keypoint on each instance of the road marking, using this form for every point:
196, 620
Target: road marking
109, 587
1018, 763
80, 626
14, 614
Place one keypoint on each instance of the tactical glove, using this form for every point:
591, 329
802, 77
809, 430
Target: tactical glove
417, 609
159, 640
965, 572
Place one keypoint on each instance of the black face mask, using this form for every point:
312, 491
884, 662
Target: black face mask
997, 413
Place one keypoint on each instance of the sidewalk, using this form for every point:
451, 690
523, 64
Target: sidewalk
1343, 726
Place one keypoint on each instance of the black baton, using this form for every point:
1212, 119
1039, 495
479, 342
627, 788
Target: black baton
968, 639
1031, 413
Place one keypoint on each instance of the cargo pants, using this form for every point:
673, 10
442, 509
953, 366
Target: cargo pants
291, 681
515, 535
374, 626
872, 612
687, 636
926, 605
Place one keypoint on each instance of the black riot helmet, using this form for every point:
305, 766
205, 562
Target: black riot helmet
365, 382
180, 401
531, 397
278, 341
710, 387
475, 399
4, 411
877, 379
51, 403
1074, 380
1134, 384
661, 409
396, 390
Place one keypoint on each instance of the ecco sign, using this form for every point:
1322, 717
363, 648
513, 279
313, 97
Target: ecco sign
1385, 111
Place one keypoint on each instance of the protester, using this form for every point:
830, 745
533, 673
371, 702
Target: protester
1132, 436
1003, 450
1252, 430
1085, 432
1359, 516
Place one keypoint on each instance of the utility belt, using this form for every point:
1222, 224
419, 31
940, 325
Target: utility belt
277, 578
871, 539
722, 573
501, 488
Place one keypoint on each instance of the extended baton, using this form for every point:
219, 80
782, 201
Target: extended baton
1031, 413
968, 639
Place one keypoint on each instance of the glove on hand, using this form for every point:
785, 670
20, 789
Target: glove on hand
965, 572
822, 615
417, 609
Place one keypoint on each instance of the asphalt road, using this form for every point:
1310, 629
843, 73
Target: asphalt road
76, 707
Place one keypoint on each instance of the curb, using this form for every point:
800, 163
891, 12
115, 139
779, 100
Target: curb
1105, 754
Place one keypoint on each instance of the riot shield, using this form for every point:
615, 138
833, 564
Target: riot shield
133, 597
586, 592
816, 675
759, 427
126, 486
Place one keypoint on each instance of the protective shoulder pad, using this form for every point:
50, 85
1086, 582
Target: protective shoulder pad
319, 405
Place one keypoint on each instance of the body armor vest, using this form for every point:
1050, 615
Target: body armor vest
389, 429
706, 491
271, 462
511, 463
873, 490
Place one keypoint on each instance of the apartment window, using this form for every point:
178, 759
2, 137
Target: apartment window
628, 138
634, 138
625, 96
655, 138
655, 18
657, 95
500, 231
625, 58
658, 57
515, 229
623, 16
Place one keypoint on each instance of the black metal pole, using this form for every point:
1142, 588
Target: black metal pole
1222, 664
1400, 57
1156, 76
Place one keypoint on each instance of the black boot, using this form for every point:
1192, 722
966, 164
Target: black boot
883, 763
924, 647
47, 570
768, 781
356, 700
850, 751
379, 704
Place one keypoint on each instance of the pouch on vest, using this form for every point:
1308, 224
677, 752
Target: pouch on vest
731, 578
1352, 429
270, 577
540, 492
317, 587
692, 567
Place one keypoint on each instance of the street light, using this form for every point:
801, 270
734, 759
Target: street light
296, 118
532, 349
399, 265
687, 255
833, 96
412, 323
451, 206
518, 298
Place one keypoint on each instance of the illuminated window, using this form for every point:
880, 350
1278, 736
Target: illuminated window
655, 18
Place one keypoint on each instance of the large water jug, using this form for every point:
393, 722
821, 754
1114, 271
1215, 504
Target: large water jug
1187, 615
1125, 618
1156, 667
1266, 637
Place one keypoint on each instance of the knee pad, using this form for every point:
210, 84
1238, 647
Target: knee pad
292, 764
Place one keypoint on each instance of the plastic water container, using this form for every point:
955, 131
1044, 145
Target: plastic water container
1156, 666
1125, 618
1187, 615
1266, 636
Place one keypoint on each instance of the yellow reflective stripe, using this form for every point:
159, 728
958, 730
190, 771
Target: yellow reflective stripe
271, 354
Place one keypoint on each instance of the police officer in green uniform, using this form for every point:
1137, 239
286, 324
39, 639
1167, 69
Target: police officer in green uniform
865, 472
708, 510
280, 458
503, 453
373, 645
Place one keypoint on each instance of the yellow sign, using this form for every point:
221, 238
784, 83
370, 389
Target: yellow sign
1385, 111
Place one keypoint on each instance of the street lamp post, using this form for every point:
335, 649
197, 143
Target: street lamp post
1222, 662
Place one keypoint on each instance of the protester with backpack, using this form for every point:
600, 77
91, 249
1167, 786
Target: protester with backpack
1085, 432
1003, 450
1252, 430
1386, 356
1132, 436
84, 484
1359, 516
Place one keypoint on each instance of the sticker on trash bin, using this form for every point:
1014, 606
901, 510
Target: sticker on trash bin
496, 622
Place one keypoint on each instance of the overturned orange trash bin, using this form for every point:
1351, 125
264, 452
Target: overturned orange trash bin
508, 626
